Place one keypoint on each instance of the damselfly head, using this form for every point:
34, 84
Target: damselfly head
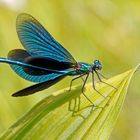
97, 65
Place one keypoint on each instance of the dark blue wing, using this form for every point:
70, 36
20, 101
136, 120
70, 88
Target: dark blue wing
20, 56
34, 78
38, 41
38, 87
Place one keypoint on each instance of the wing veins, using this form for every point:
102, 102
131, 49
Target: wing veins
42, 37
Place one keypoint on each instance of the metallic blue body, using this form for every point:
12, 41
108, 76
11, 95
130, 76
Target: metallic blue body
84, 68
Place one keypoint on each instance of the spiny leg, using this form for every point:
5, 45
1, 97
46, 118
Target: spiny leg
93, 83
83, 90
74, 80
102, 75
103, 81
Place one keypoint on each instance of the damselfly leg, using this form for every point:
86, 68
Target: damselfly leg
103, 81
85, 80
93, 83
80, 76
83, 90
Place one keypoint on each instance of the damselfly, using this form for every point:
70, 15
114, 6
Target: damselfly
44, 60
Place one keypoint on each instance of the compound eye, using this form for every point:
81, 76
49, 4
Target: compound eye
96, 61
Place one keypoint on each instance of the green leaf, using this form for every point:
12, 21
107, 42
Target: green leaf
69, 115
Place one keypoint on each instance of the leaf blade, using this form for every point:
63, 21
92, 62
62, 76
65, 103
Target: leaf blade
56, 117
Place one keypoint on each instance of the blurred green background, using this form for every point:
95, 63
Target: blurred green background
103, 29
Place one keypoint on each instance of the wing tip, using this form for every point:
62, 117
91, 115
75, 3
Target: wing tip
18, 94
15, 95
23, 17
